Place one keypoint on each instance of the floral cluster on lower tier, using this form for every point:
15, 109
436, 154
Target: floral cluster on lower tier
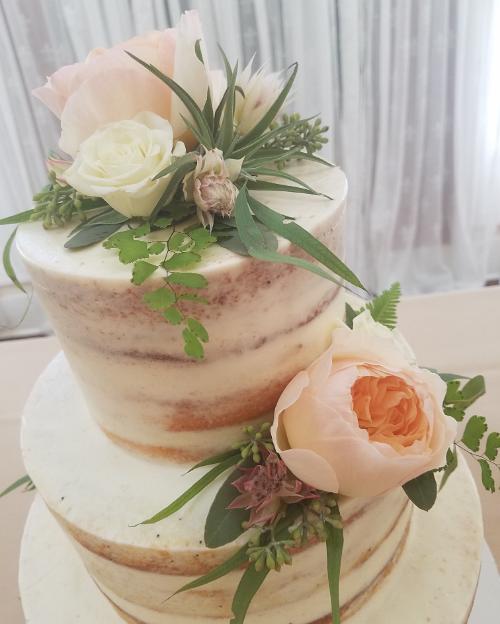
361, 420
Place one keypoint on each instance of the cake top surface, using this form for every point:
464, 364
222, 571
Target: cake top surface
45, 248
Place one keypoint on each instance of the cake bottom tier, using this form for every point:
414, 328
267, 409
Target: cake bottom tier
434, 581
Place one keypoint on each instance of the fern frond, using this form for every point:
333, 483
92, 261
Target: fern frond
384, 307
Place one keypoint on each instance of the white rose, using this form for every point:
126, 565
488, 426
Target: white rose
119, 161
260, 90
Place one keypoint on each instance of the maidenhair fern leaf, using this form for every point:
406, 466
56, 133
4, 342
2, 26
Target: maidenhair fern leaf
384, 307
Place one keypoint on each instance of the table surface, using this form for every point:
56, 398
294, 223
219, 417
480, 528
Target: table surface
455, 332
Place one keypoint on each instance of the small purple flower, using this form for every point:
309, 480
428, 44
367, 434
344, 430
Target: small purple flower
265, 487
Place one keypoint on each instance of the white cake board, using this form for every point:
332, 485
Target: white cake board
56, 589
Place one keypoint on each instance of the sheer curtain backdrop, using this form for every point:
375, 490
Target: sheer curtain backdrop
409, 88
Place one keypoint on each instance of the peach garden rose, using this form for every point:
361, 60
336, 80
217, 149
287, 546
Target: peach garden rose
363, 418
109, 86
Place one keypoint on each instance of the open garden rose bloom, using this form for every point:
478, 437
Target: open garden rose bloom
110, 86
363, 418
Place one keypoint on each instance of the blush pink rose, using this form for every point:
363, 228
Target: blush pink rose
363, 418
109, 86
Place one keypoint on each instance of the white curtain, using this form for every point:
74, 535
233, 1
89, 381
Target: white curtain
408, 87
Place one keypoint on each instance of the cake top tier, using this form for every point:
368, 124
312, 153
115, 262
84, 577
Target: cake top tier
45, 248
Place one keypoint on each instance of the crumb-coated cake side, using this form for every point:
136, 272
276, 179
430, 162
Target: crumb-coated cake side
266, 322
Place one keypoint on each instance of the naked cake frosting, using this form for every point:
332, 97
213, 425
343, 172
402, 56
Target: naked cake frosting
192, 264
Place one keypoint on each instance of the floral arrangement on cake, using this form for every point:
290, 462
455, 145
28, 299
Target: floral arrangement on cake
161, 156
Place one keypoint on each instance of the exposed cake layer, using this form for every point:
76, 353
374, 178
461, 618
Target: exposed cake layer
137, 568
265, 321
434, 581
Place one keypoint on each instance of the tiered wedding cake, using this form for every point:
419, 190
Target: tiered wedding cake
200, 298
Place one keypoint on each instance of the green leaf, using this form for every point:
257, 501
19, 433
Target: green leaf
197, 50
7, 263
279, 173
224, 525
130, 249
492, 445
181, 260
447, 376
202, 238
192, 345
91, 235
454, 412
26, 481
160, 298
265, 185
350, 315
233, 563
303, 239
173, 315
178, 162
226, 131
451, 466
156, 248
180, 241
163, 222
487, 476
215, 459
141, 271
473, 389
197, 329
384, 307
193, 491
268, 117
171, 190
20, 217
422, 491
334, 547
248, 586
208, 110
190, 280
186, 99
474, 431
255, 243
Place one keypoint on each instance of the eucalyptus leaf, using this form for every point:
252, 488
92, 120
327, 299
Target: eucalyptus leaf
20, 217
451, 466
224, 525
334, 547
303, 239
172, 187
422, 491
185, 98
182, 160
254, 241
92, 235
215, 459
233, 563
7, 263
26, 481
248, 586
266, 185
193, 491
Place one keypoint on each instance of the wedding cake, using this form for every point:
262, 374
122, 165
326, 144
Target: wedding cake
191, 266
